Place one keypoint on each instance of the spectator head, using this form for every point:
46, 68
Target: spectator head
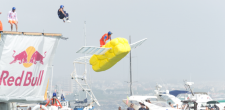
120, 108
131, 105
142, 106
54, 94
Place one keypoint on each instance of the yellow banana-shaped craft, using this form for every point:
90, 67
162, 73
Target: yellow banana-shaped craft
120, 48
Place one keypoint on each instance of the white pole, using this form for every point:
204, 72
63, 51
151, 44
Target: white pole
51, 81
85, 43
131, 92
85, 33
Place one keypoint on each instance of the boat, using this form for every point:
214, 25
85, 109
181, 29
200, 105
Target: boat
179, 99
153, 105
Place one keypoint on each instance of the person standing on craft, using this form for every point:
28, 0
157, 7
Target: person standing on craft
104, 38
12, 18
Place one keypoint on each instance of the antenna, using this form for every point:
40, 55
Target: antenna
187, 85
190, 76
84, 33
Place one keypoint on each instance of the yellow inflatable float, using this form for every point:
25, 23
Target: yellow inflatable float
119, 49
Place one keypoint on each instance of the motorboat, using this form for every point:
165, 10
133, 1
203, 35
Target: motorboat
153, 105
177, 96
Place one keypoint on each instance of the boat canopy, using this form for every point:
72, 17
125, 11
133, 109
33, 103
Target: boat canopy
177, 92
212, 102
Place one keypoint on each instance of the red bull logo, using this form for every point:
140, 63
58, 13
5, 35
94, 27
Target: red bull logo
7, 80
28, 57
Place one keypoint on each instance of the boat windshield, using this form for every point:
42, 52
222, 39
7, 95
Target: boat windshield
161, 104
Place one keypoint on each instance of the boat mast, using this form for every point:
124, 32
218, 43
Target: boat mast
130, 70
84, 34
85, 43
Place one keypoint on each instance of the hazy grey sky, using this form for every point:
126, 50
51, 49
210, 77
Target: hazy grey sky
184, 36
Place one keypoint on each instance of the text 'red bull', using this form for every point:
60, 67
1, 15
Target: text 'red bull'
7, 80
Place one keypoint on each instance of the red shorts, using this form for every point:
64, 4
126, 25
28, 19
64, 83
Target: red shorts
12, 21
102, 43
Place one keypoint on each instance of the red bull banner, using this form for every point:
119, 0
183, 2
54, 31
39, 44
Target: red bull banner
25, 67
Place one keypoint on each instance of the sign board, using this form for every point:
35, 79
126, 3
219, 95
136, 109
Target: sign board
25, 66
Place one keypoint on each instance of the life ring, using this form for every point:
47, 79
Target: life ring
55, 104
39, 106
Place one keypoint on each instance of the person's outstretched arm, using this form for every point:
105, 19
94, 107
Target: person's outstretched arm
105, 39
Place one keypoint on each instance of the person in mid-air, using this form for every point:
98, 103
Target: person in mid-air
62, 14
12, 18
104, 38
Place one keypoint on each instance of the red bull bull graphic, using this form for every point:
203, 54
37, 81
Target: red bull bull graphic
22, 57
7, 80
28, 57
37, 57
